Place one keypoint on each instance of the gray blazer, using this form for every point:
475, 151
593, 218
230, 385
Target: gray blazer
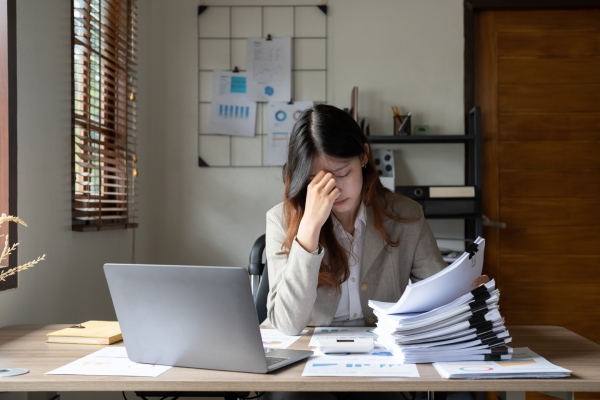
294, 301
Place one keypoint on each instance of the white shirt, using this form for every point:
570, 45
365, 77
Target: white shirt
349, 310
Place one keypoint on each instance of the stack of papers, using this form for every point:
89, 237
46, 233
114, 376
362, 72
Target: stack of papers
524, 364
441, 319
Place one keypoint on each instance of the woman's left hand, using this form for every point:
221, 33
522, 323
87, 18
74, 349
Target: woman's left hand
482, 280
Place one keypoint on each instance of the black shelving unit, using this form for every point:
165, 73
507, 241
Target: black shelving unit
468, 208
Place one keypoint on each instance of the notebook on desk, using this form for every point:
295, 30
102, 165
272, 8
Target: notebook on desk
191, 316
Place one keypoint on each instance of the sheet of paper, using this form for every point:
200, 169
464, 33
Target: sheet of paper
281, 119
376, 363
111, 361
524, 364
269, 69
437, 290
274, 339
231, 112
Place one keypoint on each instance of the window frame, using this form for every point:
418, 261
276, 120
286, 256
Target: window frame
8, 130
104, 115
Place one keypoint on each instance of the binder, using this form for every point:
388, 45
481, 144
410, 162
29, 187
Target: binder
448, 207
436, 192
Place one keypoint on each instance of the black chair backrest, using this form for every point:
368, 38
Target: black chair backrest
260, 300
257, 267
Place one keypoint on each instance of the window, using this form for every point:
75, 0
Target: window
8, 130
104, 114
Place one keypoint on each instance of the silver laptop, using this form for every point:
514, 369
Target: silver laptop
191, 316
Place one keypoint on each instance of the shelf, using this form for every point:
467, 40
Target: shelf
390, 139
452, 216
449, 207
460, 208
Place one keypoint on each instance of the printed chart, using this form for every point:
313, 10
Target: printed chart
376, 363
111, 361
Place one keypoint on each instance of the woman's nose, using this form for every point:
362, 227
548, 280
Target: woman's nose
338, 184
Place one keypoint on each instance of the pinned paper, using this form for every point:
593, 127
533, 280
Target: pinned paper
269, 68
231, 112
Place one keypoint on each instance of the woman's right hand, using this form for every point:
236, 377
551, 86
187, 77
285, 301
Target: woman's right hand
321, 193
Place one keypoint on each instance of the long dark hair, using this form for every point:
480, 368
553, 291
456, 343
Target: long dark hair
327, 130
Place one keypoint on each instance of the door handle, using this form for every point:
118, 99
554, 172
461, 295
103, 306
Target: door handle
485, 220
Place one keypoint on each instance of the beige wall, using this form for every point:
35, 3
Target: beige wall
404, 52
69, 286
397, 52
408, 53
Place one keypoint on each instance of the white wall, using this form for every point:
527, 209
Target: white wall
404, 52
398, 52
408, 53
69, 286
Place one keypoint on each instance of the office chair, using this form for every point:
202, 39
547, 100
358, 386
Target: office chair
259, 277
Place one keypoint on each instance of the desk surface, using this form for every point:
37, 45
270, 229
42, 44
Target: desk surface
24, 346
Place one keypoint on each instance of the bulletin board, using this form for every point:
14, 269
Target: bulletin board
222, 38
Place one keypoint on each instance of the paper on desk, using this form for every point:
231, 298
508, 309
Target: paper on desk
274, 339
437, 290
376, 363
524, 364
111, 361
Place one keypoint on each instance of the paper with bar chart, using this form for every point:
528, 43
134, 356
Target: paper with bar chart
375, 363
231, 112
378, 362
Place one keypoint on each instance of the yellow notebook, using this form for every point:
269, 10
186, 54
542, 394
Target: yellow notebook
90, 332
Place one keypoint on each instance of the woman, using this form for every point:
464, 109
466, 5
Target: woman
340, 238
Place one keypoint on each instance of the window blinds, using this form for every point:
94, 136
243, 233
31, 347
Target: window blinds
104, 114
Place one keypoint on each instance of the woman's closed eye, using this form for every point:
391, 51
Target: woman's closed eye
343, 174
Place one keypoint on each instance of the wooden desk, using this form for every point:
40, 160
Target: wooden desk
25, 347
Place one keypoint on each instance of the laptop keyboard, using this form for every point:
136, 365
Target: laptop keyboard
275, 360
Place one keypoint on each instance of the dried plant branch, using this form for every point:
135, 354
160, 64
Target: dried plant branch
8, 249
5, 251
20, 268
10, 218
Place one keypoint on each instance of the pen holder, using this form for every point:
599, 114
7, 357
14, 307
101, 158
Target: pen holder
402, 127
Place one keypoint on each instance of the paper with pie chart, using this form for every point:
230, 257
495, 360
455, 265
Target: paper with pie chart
524, 364
269, 69
110, 361
273, 339
281, 119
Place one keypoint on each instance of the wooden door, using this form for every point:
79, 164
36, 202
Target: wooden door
537, 80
